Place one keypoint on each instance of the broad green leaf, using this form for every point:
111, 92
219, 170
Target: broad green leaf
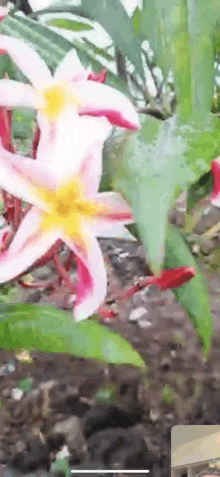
201, 139
69, 24
192, 295
151, 167
52, 47
54, 331
113, 17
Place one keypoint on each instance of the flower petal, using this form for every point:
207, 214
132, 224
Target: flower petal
28, 245
13, 93
91, 278
101, 100
5, 233
91, 169
115, 209
70, 68
16, 174
68, 144
27, 60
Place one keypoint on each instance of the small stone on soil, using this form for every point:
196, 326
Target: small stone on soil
144, 323
195, 249
207, 246
137, 313
16, 394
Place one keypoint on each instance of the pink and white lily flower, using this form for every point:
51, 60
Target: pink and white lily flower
66, 207
59, 98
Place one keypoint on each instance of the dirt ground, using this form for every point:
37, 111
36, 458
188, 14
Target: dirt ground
113, 417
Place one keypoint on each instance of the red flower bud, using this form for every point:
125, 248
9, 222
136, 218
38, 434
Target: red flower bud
100, 77
172, 278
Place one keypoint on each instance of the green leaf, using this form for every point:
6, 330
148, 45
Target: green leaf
26, 384
193, 295
99, 51
136, 21
52, 47
7, 66
113, 17
22, 123
151, 167
168, 394
69, 24
105, 394
181, 37
151, 26
61, 466
51, 330
76, 10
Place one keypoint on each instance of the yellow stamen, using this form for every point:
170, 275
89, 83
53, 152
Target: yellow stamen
69, 208
56, 97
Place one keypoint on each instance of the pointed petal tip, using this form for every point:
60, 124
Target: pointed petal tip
99, 99
116, 118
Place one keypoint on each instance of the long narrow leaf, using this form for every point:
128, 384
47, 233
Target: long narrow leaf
50, 330
193, 295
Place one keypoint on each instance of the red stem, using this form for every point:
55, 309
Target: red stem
68, 262
144, 282
105, 313
63, 274
45, 285
17, 213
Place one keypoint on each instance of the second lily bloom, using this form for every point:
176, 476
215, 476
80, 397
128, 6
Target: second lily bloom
65, 206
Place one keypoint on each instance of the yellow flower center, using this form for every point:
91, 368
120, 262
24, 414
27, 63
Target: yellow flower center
68, 208
56, 97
